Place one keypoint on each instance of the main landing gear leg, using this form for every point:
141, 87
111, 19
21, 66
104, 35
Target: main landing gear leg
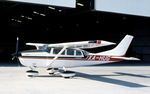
32, 72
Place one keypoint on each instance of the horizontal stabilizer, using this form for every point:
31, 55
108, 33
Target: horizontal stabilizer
126, 58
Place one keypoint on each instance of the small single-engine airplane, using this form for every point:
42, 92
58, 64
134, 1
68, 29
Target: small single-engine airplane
65, 55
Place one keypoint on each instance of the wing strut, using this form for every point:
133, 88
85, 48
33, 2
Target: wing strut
62, 50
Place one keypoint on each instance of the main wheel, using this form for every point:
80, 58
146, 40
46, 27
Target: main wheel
68, 74
52, 71
31, 73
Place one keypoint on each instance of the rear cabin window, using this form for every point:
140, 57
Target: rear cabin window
70, 52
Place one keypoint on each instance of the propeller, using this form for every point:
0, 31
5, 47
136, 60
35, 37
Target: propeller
15, 55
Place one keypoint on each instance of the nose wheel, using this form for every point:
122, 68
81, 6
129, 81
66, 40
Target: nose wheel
32, 73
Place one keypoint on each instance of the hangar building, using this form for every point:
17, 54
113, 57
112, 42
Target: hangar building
89, 20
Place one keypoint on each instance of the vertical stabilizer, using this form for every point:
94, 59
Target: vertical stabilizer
121, 48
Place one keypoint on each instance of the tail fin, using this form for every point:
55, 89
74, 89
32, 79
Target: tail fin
121, 48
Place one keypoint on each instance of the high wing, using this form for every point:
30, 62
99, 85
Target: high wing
81, 44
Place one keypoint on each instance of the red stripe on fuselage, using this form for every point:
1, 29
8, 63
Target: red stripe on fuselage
88, 58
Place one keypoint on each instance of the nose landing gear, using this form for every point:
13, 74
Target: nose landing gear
32, 73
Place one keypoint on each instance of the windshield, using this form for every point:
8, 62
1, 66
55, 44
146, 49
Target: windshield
45, 48
86, 52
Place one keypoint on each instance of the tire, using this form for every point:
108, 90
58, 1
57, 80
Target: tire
31, 73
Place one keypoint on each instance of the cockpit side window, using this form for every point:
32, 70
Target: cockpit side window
48, 49
78, 53
45, 48
56, 50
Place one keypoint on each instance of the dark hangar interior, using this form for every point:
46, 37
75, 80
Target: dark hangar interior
52, 24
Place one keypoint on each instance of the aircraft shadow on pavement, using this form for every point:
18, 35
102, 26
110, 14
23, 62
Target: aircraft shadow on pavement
48, 76
134, 75
103, 78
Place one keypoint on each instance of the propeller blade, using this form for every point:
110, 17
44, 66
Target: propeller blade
17, 46
15, 55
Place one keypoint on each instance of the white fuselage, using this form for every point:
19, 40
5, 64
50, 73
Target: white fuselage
69, 58
59, 63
